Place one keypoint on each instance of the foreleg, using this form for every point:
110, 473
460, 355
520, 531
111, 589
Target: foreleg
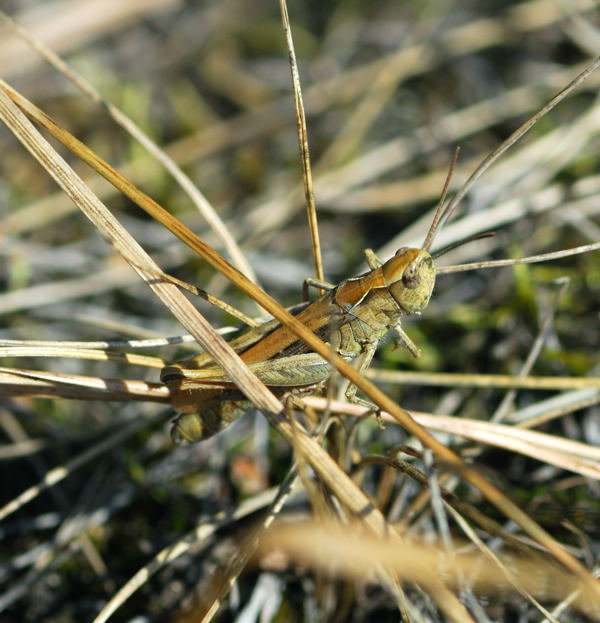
402, 339
310, 282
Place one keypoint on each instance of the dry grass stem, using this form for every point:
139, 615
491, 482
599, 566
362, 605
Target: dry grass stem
499, 381
187, 315
333, 550
309, 194
129, 126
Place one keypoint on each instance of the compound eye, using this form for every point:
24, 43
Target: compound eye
410, 278
401, 250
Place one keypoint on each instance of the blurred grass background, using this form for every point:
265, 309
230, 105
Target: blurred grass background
390, 89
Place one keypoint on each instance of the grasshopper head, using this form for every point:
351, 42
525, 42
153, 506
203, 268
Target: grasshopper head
410, 277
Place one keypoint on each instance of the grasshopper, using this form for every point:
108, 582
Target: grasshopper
352, 317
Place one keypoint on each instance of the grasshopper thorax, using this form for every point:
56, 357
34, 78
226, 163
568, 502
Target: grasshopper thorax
410, 277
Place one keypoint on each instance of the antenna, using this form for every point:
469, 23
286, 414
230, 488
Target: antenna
442, 213
441, 209
455, 245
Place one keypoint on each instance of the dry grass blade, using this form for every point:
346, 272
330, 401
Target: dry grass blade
547, 410
104, 344
170, 165
349, 552
119, 181
577, 457
213, 343
20, 382
81, 353
499, 381
309, 194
